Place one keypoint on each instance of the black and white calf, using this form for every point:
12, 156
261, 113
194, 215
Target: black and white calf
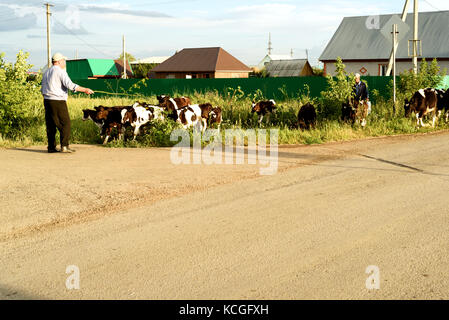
93, 115
443, 103
138, 116
264, 108
423, 102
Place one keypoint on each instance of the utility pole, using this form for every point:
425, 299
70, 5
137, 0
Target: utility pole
415, 39
404, 18
269, 44
49, 63
124, 76
307, 54
395, 47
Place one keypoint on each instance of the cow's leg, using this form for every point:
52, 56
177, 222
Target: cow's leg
136, 132
204, 121
417, 119
260, 120
447, 116
268, 118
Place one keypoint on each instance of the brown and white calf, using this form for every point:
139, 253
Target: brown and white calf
173, 104
215, 116
188, 117
354, 110
137, 116
114, 119
424, 102
264, 108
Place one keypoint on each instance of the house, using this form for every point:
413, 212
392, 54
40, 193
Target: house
201, 63
289, 68
119, 66
150, 60
367, 50
270, 57
96, 69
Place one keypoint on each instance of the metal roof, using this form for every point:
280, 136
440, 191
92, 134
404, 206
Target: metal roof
150, 60
286, 68
202, 60
354, 41
85, 68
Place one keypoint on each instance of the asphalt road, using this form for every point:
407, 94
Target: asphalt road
138, 227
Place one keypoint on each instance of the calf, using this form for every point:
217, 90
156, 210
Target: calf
137, 116
423, 102
355, 110
158, 112
348, 112
263, 108
93, 115
188, 117
114, 119
173, 104
215, 117
203, 111
442, 103
307, 117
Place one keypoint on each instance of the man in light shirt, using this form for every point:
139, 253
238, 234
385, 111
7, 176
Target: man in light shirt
55, 86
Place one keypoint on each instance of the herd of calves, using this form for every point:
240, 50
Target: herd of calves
424, 102
178, 109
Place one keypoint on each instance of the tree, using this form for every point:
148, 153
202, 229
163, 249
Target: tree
339, 90
129, 57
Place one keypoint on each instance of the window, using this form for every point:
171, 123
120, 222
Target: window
383, 69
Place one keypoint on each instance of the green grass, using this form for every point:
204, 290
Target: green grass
235, 115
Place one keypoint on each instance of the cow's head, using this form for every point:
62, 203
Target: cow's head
161, 98
215, 115
129, 115
102, 112
87, 114
167, 104
407, 108
255, 107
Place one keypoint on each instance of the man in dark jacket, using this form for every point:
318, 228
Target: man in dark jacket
360, 91
361, 96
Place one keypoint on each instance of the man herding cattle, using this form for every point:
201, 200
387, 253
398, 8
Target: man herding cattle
55, 85
361, 98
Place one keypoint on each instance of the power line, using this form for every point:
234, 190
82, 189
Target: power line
432, 5
82, 40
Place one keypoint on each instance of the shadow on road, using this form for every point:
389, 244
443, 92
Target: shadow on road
31, 150
8, 293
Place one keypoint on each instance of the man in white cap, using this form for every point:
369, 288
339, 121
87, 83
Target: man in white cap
55, 86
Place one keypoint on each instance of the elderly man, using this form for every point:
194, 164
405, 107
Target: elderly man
55, 86
361, 95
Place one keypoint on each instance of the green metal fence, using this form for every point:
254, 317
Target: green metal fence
275, 88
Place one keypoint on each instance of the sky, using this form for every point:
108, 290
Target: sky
94, 28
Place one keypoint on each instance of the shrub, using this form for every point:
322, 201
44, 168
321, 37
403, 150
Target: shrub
339, 89
20, 97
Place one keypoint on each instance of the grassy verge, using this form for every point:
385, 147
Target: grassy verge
236, 114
